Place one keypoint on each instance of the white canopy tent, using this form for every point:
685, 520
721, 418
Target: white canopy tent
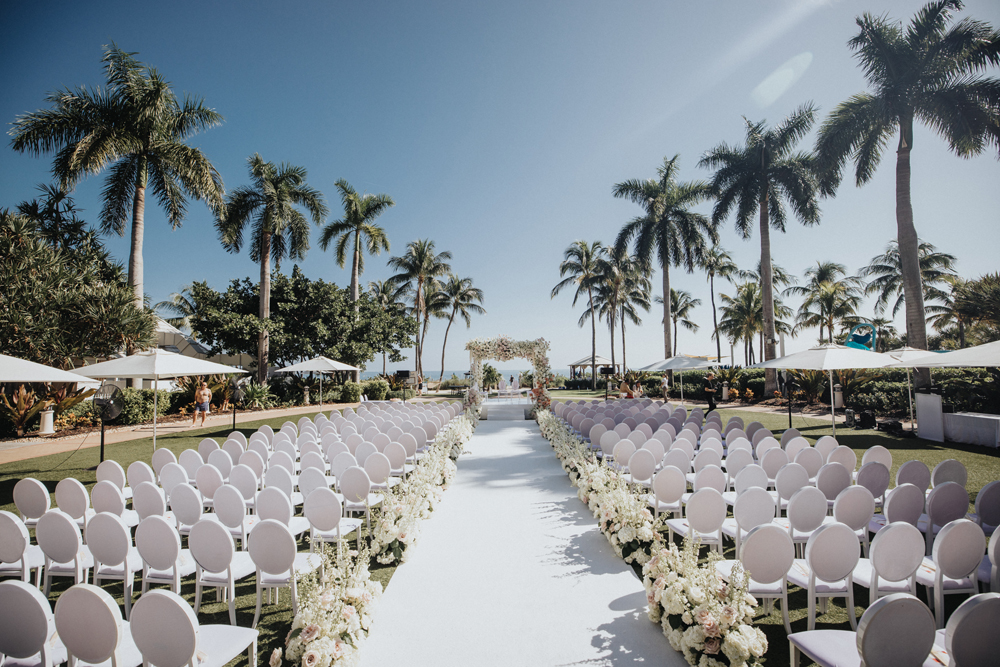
905, 354
155, 365
680, 364
13, 369
321, 365
829, 357
980, 356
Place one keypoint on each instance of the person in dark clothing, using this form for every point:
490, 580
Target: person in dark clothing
710, 390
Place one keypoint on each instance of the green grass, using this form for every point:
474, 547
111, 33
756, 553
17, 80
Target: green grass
275, 619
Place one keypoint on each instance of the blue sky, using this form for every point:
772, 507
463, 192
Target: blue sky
499, 129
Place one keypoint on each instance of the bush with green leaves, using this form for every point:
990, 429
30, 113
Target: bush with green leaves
138, 406
402, 394
375, 390
350, 392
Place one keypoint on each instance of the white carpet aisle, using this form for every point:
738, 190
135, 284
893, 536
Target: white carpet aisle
512, 570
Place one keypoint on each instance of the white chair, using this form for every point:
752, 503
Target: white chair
231, 512
825, 445
163, 560
18, 556
989, 568
167, 633
187, 505
970, 637
219, 565
26, 626
91, 628
206, 447
895, 554
234, 448
668, 487
325, 514
874, 476
704, 513
171, 475
832, 479
106, 496
767, 553
340, 463
827, 571
878, 454
31, 499
946, 502
112, 471
139, 472
794, 446
737, 460
191, 460
702, 460
987, 513
949, 470
396, 454
245, 479
806, 512
73, 499
222, 461
855, 508
277, 563
641, 467
845, 456
787, 435
896, 630
280, 478
65, 554
115, 558
260, 449
273, 503
312, 479
148, 499
358, 496
904, 503
772, 461
751, 476
162, 457
953, 566
380, 472
811, 459
916, 473
787, 482
754, 507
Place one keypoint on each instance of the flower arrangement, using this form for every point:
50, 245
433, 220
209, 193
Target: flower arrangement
703, 617
397, 519
504, 348
336, 604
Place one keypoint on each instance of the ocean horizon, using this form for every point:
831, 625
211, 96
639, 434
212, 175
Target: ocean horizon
460, 374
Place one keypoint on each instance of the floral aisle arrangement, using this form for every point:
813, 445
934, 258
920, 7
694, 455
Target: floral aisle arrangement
505, 349
703, 617
397, 519
707, 620
336, 604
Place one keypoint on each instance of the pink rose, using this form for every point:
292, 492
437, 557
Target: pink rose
310, 632
711, 627
348, 612
703, 616
310, 659
712, 645
338, 650
728, 614
275, 660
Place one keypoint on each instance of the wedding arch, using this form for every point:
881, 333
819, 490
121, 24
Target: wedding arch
504, 348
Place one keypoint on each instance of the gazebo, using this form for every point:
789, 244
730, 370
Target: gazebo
588, 361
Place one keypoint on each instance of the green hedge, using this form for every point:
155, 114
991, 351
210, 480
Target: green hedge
138, 406
402, 394
350, 392
375, 390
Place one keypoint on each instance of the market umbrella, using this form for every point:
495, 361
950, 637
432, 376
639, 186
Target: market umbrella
155, 365
905, 354
829, 357
980, 356
319, 365
680, 364
13, 369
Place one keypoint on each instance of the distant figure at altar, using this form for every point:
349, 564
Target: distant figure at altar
515, 382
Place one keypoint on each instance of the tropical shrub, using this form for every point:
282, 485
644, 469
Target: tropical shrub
137, 406
350, 392
375, 390
402, 394
257, 396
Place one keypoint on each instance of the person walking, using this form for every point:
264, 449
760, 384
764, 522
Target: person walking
665, 387
202, 399
710, 390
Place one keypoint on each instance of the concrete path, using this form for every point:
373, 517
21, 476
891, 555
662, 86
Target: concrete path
512, 570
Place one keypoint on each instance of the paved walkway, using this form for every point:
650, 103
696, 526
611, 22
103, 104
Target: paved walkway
512, 570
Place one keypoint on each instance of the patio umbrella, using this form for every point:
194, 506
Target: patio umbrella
155, 365
680, 364
980, 356
829, 357
13, 369
319, 365
905, 354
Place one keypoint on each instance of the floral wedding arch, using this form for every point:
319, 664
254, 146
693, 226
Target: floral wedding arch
505, 349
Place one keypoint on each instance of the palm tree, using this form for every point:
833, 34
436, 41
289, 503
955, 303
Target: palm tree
416, 267
136, 127
279, 229
829, 294
717, 262
181, 305
669, 227
389, 296
356, 228
761, 176
635, 290
622, 285
927, 72
581, 267
886, 273
741, 317
780, 276
681, 305
463, 299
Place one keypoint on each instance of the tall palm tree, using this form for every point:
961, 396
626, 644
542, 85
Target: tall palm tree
760, 177
635, 292
389, 296
717, 262
622, 285
928, 71
829, 294
418, 265
462, 299
355, 229
181, 305
780, 276
136, 127
886, 274
581, 267
669, 228
279, 229
681, 305
741, 317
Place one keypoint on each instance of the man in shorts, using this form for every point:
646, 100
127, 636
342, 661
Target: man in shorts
202, 398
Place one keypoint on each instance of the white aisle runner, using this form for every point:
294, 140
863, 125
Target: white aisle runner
512, 570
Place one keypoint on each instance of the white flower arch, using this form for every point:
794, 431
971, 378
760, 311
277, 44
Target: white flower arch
504, 348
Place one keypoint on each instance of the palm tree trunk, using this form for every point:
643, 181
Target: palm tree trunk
593, 342
675, 338
624, 365
354, 270
450, 320
423, 340
667, 319
135, 253
715, 321
916, 326
420, 312
961, 335
263, 340
767, 292
611, 327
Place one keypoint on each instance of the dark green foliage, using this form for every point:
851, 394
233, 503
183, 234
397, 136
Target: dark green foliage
138, 406
350, 392
375, 390
402, 394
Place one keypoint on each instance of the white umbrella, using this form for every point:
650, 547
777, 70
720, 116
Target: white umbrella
13, 369
680, 364
905, 354
319, 365
980, 356
154, 365
829, 357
